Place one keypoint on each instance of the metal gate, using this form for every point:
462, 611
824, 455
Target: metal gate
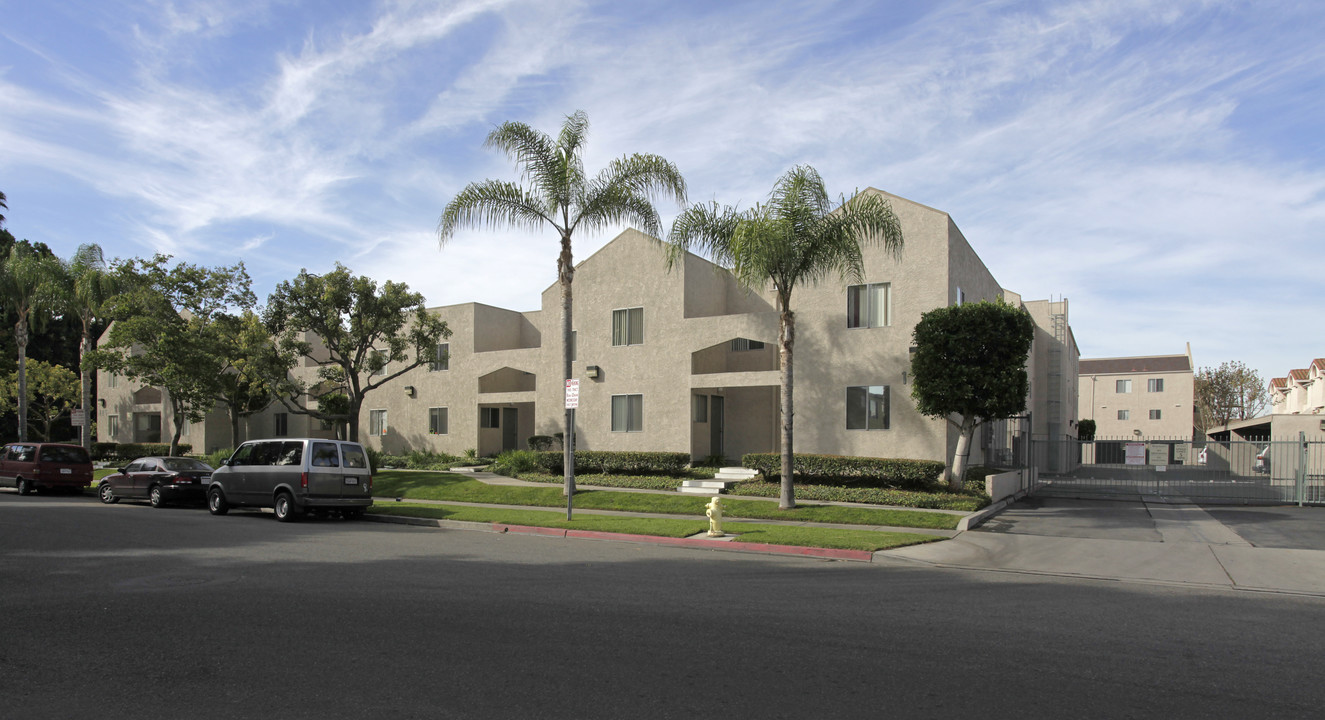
1280, 471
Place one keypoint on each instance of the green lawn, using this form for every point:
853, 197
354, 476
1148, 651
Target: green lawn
450, 486
799, 536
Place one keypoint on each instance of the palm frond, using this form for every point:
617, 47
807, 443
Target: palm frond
492, 204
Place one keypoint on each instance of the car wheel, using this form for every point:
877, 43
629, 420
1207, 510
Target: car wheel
284, 507
106, 493
155, 497
216, 503
24, 486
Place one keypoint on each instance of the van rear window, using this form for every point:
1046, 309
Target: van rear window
68, 455
325, 455
354, 457
291, 453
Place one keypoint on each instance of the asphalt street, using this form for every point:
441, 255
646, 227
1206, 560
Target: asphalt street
129, 612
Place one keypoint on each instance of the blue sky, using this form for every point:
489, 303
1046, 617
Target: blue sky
1159, 164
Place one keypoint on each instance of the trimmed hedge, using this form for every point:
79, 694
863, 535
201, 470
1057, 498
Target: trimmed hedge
841, 470
623, 462
872, 495
129, 451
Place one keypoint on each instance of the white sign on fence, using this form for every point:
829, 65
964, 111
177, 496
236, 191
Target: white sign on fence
1136, 454
572, 394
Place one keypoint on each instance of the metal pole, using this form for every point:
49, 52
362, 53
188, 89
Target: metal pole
569, 459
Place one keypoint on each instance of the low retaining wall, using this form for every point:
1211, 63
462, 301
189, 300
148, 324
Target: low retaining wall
1009, 484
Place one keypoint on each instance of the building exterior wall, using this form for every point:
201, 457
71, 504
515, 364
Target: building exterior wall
1100, 399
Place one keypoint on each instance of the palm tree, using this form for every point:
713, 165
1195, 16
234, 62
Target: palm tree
27, 285
2, 205
556, 193
797, 237
88, 284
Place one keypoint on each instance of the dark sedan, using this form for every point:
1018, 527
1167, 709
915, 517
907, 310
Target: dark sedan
158, 480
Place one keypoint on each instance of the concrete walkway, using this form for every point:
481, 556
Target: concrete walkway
1146, 540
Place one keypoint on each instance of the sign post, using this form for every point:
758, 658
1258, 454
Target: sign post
572, 403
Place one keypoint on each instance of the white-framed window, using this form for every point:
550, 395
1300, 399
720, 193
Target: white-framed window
1123, 387
1155, 385
867, 407
627, 413
699, 408
441, 357
112, 426
869, 306
746, 345
628, 326
489, 417
281, 424
113, 380
437, 421
961, 297
184, 427
1154, 415
376, 422
1124, 414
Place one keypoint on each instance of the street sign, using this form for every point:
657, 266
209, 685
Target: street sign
76, 417
572, 394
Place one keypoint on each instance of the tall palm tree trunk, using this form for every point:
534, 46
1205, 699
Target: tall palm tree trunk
85, 380
565, 274
787, 338
21, 339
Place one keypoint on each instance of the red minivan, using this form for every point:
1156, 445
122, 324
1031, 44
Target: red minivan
32, 466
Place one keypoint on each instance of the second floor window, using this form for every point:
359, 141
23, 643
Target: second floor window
869, 306
1124, 386
1124, 414
1155, 385
441, 359
628, 326
281, 425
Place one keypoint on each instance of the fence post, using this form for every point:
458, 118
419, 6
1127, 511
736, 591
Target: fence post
1301, 467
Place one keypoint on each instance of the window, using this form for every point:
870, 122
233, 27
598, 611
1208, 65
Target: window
437, 421
376, 357
867, 407
281, 425
489, 417
1154, 415
1155, 385
869, 305
184, 427
441, 358
699, 408
376, 422
1124, 414
627, 413
325, 455
744, 345
112, 427
961, 297
628, 326
1123, 387
114, 380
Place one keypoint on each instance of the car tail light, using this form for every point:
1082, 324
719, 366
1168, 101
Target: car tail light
370, 483
303, 480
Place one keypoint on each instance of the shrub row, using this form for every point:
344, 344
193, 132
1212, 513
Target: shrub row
623, 462
873, 495
849, 471
129, 451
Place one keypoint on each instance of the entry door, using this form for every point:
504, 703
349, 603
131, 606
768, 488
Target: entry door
510, 428
715, 426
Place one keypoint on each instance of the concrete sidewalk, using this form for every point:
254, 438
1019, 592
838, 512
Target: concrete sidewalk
1149, 540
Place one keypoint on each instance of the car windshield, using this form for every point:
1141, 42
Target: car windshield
63, 454
177, 464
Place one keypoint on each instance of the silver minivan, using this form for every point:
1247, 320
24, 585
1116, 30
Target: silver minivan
294, 476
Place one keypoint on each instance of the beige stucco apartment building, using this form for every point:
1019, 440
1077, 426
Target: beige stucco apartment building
686, 360
1150, 396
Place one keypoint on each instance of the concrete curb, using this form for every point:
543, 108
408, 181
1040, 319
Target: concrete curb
703, 543
976, 519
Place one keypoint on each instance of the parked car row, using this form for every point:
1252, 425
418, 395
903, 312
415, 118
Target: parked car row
293, 476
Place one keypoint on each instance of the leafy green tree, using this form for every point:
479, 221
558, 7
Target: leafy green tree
970, 362
1231, 391
28, 286
361, 329
557, 194
163, 332
1086, 430
245, 349
87, 285
796, 238
52, 390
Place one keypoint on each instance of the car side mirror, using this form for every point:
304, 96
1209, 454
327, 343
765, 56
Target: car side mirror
122, 471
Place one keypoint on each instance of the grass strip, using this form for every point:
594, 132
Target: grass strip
798, 536
449, 486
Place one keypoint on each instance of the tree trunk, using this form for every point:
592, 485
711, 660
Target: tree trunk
961, 455
352, 429
176, 414
21, 338
234, 427
85, 380
787, 338
565, 274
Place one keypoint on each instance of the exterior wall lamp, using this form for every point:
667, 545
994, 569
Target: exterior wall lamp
409, 390
592, 372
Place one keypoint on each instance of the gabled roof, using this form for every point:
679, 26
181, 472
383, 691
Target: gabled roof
1300, 374
1278, 384
1142, 364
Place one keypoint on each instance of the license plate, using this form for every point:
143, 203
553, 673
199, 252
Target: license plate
351, 481
66, 471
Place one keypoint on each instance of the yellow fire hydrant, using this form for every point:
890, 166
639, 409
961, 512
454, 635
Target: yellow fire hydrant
714, 511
